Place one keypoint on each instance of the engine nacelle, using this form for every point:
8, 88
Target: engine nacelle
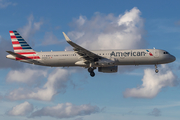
111, 69
105, 62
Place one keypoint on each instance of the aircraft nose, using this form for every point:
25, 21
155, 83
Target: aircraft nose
173, 58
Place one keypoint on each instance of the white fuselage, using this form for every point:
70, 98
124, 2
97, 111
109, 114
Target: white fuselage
105, 60
120, 57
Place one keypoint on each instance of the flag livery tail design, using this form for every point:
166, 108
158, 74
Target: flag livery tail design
21, 47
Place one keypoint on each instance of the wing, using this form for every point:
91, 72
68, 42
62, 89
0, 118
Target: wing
86, 54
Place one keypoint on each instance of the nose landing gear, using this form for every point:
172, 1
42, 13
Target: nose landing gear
156, 70
91, 71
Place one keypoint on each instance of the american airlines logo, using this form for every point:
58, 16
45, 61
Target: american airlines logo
149, 53
132, 53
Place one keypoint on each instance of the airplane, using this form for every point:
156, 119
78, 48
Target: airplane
106, 61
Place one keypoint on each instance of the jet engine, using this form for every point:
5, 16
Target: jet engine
111, 69
105, 62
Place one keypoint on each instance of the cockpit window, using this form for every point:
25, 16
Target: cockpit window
166, 53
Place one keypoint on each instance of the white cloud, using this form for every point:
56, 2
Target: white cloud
56, 83
21, 109
81, 20
153, 83
76, 35
155, 112
29, 30
66, 110
5, 3
25, 75
110, 32
50, 39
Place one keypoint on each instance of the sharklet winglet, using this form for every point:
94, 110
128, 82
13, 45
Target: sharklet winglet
66, 37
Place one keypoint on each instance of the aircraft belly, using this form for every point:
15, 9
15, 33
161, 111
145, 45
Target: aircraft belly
137, 60
126, 61
145, 60
61, 62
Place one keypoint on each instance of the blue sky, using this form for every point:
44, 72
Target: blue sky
134, 92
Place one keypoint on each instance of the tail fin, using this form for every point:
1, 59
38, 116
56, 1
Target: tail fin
19, 44
21, 47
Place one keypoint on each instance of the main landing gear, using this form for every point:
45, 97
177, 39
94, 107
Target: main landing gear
91, 71
156, 70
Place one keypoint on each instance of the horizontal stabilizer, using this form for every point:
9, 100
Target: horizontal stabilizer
22, 57
15, 54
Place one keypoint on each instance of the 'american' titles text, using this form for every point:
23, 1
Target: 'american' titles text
127, 54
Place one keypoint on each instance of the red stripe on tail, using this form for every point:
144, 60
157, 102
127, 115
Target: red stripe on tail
23, 53
15, 42
17, 48
26, 58
13, 37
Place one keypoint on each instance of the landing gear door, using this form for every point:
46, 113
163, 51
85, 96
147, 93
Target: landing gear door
156, 53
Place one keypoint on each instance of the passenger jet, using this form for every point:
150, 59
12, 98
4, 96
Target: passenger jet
106, 61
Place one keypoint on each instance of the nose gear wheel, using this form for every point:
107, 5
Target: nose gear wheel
156, 70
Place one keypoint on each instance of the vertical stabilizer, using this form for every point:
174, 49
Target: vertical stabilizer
19, 44
21, 47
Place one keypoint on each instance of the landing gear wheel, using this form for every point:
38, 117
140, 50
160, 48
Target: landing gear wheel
90, 69
92, 74
156, 70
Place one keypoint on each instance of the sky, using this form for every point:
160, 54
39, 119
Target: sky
134, 92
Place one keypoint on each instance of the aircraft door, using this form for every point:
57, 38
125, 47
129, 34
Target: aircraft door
156, 53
